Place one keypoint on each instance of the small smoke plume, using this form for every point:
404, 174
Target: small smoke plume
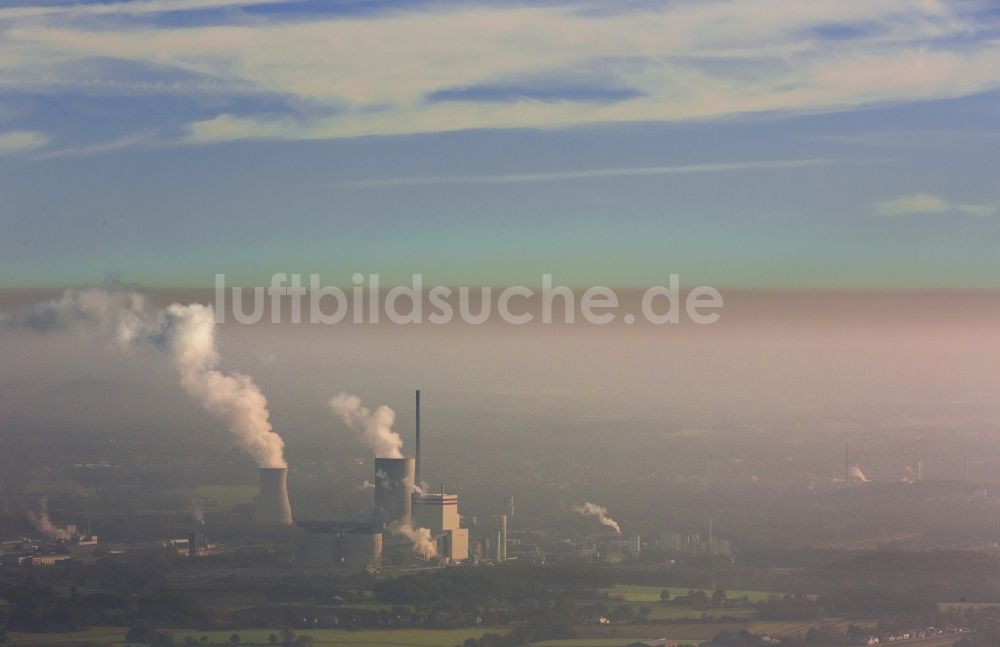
374, 428
598, 512
857, 474
423, 543
187, 333
41, 521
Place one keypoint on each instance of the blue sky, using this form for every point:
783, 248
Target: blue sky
749, 143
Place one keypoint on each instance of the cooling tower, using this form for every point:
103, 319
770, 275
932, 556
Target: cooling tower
272, 502
393, 490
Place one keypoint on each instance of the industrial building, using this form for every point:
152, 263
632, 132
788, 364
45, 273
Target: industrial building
439, 514
355, 546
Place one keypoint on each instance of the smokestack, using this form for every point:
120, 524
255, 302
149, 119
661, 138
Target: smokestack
394, 479
416, 472
272, 502
501, 538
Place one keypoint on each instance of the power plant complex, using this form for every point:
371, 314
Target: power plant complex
405, 519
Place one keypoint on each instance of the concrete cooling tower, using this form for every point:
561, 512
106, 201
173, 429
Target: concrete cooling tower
394, 478
272, 502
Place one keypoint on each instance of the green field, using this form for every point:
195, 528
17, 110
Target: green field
780, 629
114, 635
377, 637
944, 606
638, 593
588, 642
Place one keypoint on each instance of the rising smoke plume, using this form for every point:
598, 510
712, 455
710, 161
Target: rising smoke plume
41, 521
423, 543
187, 334
600, 513
857, 474
373, 428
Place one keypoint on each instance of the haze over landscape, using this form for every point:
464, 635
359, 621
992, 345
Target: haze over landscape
816, 468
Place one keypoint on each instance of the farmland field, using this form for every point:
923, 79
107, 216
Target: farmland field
682, 632
375, 637
588, 642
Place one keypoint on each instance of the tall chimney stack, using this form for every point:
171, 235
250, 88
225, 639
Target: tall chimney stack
416, 469
272, 502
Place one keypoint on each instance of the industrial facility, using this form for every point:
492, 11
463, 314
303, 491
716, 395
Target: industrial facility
400, 509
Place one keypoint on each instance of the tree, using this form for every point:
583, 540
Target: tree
234, 639
272, 639
664, 595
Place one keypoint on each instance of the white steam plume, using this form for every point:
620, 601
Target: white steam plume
374, 428
857, 474
187, 333
44, 525
423, 543
589, 509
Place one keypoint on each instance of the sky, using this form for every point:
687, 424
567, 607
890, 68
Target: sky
763, 143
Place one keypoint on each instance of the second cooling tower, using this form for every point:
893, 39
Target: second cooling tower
272, 502
394, 478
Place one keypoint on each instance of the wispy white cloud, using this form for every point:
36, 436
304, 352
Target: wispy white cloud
22, 141
121, 8
927, 203
144, 138
589, 174
377, 74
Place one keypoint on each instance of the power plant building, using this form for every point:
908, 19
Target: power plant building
355, 546
439, 514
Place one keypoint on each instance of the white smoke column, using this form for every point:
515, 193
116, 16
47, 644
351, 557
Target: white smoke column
423, 543
589, 509
44, 525
188, 334
857, 474
373, 428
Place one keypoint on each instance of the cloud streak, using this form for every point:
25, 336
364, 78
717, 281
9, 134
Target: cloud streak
379, 73
589, 174
928, 204
22, 141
